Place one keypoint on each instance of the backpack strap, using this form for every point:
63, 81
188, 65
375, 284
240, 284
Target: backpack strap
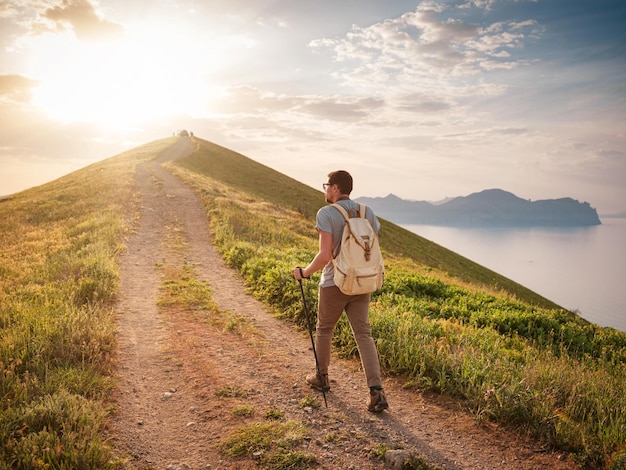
361, 211
342, 210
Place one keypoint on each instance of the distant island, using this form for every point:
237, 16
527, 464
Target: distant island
489, 208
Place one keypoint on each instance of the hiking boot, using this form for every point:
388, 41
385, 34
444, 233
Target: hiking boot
319, 383
378, 401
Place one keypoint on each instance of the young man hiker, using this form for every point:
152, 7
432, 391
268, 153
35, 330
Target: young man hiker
332, 302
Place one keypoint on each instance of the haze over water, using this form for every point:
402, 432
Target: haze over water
581, 269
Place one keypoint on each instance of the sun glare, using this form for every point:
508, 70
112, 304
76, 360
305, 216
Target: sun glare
123, 83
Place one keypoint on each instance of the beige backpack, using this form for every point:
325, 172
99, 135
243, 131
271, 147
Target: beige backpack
359, 266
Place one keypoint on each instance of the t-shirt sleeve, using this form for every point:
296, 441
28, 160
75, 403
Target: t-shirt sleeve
323, 220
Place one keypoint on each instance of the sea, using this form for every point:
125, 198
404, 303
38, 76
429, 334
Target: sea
582, 269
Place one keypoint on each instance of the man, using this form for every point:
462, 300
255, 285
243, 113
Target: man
332, 302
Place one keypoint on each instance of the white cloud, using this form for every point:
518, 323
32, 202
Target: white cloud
421, 50
16, 89
78, 16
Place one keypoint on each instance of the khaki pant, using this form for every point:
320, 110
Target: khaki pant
332, 303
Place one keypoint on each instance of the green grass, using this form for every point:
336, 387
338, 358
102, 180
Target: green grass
273, 414
243, 410
310, 401
180, 288
441, 322
414, 462
273, 443
58, 283
231, 391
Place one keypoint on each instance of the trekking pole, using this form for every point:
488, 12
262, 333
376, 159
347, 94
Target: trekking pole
308, 321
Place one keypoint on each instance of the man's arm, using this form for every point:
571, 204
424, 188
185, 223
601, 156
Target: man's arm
321, 259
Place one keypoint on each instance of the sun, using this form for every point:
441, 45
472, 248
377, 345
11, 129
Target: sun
140, 78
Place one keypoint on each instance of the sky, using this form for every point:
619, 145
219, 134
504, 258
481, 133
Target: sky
422, 99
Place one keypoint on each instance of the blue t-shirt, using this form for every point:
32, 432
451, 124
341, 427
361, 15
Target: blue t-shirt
330, 220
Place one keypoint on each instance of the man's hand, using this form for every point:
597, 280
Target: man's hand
298, 273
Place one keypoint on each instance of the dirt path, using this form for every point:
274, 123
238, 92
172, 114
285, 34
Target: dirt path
171, 366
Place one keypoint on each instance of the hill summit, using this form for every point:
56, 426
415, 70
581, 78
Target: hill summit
488, 208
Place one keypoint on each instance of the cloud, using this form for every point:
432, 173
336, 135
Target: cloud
248, 100
426, 50
340, 109
419, 102
482, 4
81, 17
486, 4
511, 131
611, 154
16, 88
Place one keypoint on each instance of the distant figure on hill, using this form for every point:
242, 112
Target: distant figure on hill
332, 302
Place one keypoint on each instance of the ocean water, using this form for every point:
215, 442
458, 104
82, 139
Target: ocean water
582, 269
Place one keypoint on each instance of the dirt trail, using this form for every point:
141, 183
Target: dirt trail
170, 367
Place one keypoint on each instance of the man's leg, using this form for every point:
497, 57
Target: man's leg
330, 307
357, 312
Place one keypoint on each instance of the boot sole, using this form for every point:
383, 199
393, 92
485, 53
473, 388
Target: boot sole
378, 408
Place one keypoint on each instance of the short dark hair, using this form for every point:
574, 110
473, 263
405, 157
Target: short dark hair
342, 179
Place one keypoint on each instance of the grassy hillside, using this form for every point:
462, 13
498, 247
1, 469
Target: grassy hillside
58, 281
441, 322
265, 184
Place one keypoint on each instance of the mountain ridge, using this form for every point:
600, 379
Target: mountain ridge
487, 208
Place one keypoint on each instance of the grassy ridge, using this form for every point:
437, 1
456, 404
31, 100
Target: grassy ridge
58, 279
265, 184
512, 357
